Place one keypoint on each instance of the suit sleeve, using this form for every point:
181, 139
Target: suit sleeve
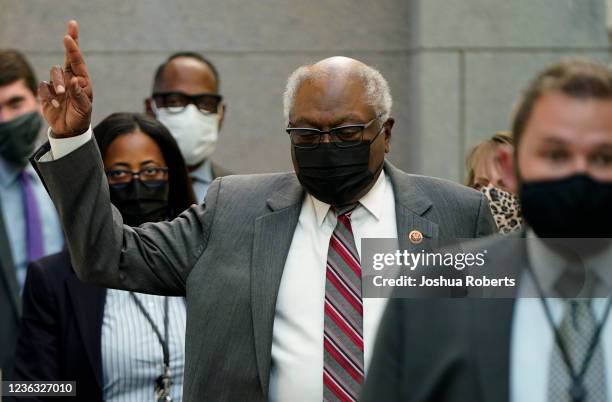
154, 258
384, 377
485, 224
38, 352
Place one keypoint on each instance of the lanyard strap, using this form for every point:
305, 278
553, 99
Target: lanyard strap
163, 341
577, 391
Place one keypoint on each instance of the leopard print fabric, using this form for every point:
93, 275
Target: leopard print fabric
505, 208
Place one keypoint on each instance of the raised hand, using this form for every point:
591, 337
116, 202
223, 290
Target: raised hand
66, 99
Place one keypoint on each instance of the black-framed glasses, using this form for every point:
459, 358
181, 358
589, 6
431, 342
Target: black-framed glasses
146, 175
343, 136
176, 102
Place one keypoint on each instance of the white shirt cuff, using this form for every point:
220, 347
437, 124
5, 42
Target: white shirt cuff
61, 147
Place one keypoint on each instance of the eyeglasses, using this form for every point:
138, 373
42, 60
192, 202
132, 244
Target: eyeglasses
145, 175
342, 137
176, 102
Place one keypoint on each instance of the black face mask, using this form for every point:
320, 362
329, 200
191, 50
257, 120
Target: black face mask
571, 208
18, 136
140, 203
335, 175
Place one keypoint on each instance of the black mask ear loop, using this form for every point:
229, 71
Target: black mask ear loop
382, 164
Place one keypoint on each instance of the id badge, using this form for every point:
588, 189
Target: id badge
162, 388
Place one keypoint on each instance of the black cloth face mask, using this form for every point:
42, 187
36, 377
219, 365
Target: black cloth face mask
574, 207
18, 137
140, 203
335, 175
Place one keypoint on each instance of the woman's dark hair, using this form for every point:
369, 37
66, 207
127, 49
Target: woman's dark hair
180, 192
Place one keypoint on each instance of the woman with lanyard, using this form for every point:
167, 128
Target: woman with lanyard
117, 345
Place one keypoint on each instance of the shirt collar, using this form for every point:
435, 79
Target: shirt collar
550, 265
372, 201
601, 265
203, 173
545, 262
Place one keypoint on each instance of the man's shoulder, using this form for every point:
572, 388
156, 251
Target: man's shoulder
462, 211
445, 188
428, 184
253, 189
260, 181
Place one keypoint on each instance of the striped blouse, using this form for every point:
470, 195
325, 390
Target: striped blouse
132, 356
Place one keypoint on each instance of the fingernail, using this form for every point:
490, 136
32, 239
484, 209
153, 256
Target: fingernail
60, 89
55, 103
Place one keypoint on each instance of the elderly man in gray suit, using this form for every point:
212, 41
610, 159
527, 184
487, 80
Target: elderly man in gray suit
269, 263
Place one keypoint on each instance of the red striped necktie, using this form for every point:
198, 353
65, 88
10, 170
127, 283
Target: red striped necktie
343, 368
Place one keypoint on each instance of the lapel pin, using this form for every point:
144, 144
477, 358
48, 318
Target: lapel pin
415, 237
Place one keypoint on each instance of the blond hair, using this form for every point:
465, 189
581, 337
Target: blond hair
485, 151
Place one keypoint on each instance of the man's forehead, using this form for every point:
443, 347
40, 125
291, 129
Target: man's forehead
15, 89
186, 74
558, 119
583, 114
342, 95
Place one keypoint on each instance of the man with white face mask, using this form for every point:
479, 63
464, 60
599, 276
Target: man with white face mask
185, 98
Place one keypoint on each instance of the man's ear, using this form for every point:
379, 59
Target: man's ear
222, 110
148, 107
387, 127
505, 157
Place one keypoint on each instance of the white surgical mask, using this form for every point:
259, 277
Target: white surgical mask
195, 132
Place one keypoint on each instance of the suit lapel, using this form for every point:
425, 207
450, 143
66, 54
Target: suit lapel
88, 304
7, 267
410, 206
272, 238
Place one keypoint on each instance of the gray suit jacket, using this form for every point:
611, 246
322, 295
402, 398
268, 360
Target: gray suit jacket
226, 256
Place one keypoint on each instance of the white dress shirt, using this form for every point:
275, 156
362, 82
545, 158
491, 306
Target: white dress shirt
61, 147
532, 339
297, 340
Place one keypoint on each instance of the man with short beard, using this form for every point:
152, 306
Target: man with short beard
549, 341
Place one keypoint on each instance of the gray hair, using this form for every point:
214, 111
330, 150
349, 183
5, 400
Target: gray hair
378, 94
